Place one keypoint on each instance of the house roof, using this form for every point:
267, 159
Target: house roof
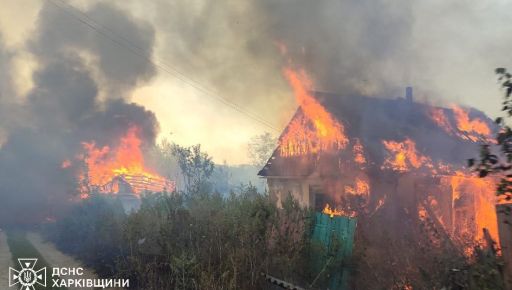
373, 120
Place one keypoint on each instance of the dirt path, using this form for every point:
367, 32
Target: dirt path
5, 261
56, 258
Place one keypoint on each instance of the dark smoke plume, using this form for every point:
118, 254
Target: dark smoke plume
347, 46
64, 109
445, 49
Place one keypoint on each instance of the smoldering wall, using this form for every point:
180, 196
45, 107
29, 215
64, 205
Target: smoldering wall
79, 94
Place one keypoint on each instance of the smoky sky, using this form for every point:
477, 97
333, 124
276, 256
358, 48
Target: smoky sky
79, 94
346, 46
447, 50
83, 80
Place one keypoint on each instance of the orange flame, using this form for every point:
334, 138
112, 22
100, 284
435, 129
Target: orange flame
482, 202
437, 115
465, 128
127, 160
403, 156
473, 129
332, 212
316, 130
361, 188
358, 152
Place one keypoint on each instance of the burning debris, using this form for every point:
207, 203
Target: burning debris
121, 169
80, 92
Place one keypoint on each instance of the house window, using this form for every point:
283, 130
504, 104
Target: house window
320, 199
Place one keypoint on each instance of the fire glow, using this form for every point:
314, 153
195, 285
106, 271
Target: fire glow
465, 128
361, 188
483, 200
105, 164
313, 131
332, 212
404, 156
316, 130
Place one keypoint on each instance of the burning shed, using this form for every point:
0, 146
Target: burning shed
118, 170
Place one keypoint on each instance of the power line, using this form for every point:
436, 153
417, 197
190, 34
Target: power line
119, 40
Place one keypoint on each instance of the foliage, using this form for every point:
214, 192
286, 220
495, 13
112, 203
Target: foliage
485, 271
196, 167
260, 148
199, 241
92, 232
162, 159
499, 164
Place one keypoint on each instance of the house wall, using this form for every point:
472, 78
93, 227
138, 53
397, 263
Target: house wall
311, 191
280, 188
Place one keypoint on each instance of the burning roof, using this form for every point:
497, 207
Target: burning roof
377, 127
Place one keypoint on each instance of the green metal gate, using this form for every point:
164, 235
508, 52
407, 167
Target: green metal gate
335, 235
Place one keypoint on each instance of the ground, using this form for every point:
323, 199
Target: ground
5, 261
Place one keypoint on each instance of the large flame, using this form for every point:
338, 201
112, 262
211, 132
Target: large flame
474, 129
316, 130
403, 156
125, 161
464, 127
481, 199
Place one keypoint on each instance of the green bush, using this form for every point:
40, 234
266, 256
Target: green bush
198, 241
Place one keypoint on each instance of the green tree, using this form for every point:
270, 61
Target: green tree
260, 148
499, 163
196, 167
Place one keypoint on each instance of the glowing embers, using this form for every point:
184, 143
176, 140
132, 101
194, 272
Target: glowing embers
332, 212
358, 152
361, 187
312, 130
403, 156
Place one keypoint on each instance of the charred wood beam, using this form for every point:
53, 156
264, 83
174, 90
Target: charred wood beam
440, 228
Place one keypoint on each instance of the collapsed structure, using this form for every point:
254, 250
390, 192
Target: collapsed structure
128, 188
119, 170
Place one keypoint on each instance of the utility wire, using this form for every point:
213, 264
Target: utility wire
119, 40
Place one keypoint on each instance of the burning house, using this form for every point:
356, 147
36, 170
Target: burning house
397, 149
396, 164
120, 171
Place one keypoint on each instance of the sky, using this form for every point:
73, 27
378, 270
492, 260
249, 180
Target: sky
205, 50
